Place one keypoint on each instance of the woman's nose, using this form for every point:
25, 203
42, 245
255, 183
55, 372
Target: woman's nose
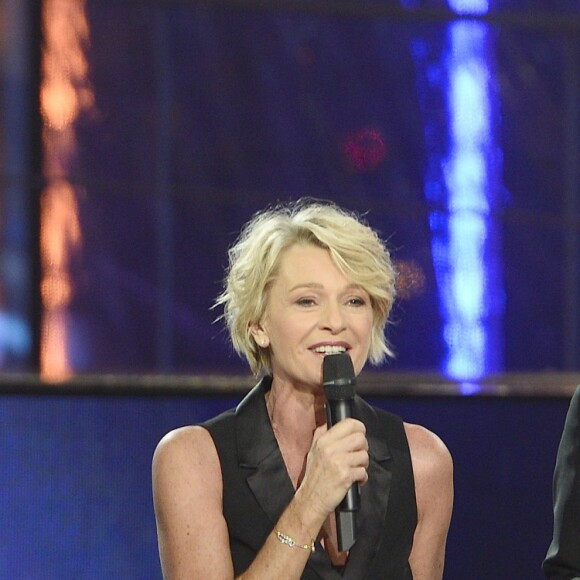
333, 318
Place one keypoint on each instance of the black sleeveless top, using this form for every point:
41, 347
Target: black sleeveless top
257, 489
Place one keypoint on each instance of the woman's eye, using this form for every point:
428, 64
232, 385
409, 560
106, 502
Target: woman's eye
305, 301
357, 301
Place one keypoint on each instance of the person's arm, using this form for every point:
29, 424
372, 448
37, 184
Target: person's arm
187, 494
187, 490
433, 474
563, 557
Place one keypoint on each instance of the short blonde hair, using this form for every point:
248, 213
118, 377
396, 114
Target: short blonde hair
355, 248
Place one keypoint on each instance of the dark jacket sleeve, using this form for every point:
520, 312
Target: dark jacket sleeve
563, 558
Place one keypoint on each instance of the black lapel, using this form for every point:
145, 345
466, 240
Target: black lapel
258, 452
374, 497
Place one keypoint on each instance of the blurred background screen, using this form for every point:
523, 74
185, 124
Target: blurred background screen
165, 125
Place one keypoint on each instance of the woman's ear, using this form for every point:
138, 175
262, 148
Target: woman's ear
260, 335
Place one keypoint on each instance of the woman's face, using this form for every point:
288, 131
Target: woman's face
313, 310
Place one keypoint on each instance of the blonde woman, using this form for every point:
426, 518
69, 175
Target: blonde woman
252, 493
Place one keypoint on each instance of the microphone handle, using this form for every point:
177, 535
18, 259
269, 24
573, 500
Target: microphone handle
337, 410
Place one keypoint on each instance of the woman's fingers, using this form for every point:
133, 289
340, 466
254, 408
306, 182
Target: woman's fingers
337, 459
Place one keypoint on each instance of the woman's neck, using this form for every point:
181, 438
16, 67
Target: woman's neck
294, 413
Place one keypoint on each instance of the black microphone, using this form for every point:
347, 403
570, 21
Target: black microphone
340, 386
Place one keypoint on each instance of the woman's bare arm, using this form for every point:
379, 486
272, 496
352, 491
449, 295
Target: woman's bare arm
187, 493
433, 473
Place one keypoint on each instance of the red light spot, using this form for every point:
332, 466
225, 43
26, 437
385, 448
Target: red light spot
364, 150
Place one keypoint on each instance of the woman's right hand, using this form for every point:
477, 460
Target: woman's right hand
338, 457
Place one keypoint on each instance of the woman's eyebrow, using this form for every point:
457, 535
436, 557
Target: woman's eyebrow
306, 285
317, 285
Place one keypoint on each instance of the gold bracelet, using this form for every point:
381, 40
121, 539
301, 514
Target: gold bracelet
284, 539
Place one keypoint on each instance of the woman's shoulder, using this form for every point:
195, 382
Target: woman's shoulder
428, 451
190, 445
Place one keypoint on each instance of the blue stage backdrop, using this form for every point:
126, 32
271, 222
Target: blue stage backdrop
76, 488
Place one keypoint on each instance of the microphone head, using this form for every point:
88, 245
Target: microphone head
338, 376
